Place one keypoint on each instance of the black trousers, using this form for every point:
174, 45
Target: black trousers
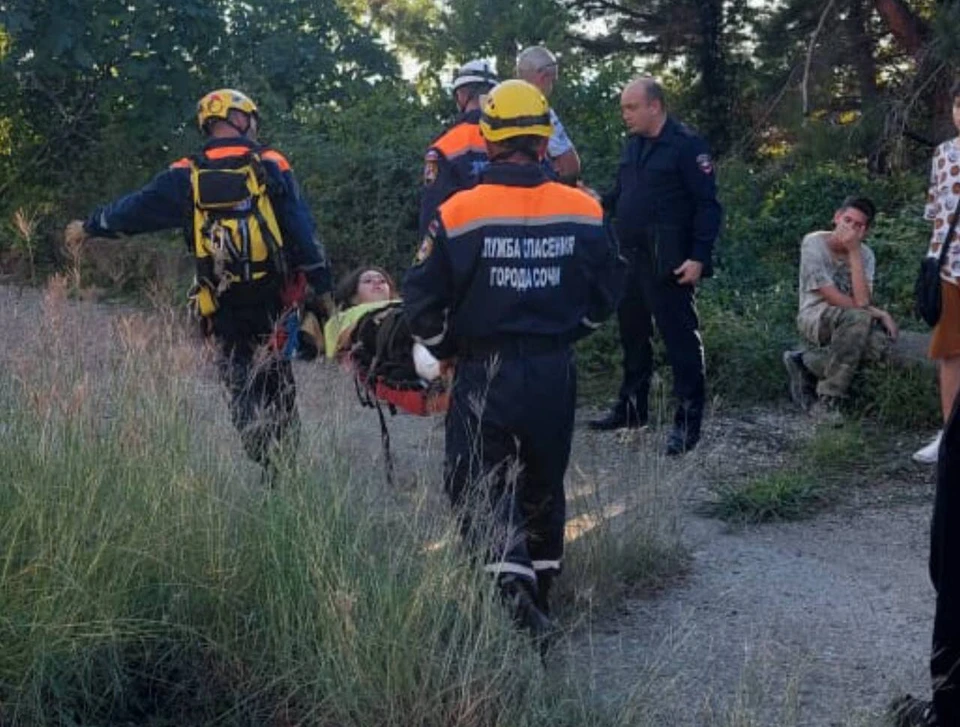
945, 574
260, 384
508, 435
647, 299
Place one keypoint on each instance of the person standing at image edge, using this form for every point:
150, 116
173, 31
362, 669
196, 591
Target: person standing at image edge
942, 196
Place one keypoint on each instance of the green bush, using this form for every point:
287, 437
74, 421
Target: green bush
905, 397
748, 310
599, 363
361, 171
744, 337
899, 241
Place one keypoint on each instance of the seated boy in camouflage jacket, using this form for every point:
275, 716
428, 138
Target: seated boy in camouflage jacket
836, 314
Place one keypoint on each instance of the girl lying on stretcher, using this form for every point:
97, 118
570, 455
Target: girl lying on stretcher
370, 336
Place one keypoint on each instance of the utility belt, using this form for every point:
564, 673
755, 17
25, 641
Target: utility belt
253, 291
512, 346
264, 291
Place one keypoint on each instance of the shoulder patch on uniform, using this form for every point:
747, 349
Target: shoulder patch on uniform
426, 246
431, 167
705, 163
424, 251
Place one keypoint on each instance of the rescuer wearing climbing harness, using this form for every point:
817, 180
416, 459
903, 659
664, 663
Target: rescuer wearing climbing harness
509, 274
252, 237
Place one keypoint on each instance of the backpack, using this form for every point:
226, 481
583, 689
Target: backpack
236, 237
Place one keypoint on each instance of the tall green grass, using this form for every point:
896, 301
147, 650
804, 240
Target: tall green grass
146, 576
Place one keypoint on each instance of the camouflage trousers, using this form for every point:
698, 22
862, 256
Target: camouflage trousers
849, 337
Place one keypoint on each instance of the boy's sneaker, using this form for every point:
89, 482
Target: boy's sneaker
802, 384
826, 410
929, 453
908, 711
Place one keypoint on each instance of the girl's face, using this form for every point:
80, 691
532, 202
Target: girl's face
956, 112
372, 287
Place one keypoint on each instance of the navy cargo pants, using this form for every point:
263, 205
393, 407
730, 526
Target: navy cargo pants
945, 574
508, 434
647, 299
260, 384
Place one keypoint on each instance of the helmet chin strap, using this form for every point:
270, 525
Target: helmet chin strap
242, 131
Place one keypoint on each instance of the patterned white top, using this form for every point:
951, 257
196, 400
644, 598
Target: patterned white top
942, 197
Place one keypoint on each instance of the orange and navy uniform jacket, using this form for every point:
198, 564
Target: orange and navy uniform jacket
166, 202
452, 163
518, 255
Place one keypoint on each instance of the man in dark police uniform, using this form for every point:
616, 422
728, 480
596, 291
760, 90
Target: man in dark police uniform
667, 218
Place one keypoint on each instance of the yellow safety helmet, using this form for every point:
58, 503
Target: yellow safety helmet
218, 104
515, 108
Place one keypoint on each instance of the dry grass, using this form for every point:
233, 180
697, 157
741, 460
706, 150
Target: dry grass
146, 577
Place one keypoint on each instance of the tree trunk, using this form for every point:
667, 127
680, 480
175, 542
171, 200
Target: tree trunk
714, 81
862, 52
862, 56
910, 31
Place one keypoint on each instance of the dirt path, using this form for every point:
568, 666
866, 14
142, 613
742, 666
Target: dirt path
830, 617
812, 623
818, 622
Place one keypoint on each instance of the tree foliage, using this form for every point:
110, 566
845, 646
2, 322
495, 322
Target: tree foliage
76, 70
96, 95
803, 100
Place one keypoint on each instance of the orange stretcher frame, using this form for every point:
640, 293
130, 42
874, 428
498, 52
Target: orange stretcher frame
420, 402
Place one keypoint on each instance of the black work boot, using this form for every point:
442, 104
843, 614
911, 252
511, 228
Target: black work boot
520, 598
908, 711
686, 428
625, 414
544, 584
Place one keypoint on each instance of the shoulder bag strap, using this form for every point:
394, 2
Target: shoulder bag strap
945, 248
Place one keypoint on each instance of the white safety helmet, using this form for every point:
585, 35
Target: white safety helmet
477, 71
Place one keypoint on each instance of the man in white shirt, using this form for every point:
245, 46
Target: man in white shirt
538, 66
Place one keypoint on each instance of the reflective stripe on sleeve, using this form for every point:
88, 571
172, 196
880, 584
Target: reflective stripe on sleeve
546, 565
514, 568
